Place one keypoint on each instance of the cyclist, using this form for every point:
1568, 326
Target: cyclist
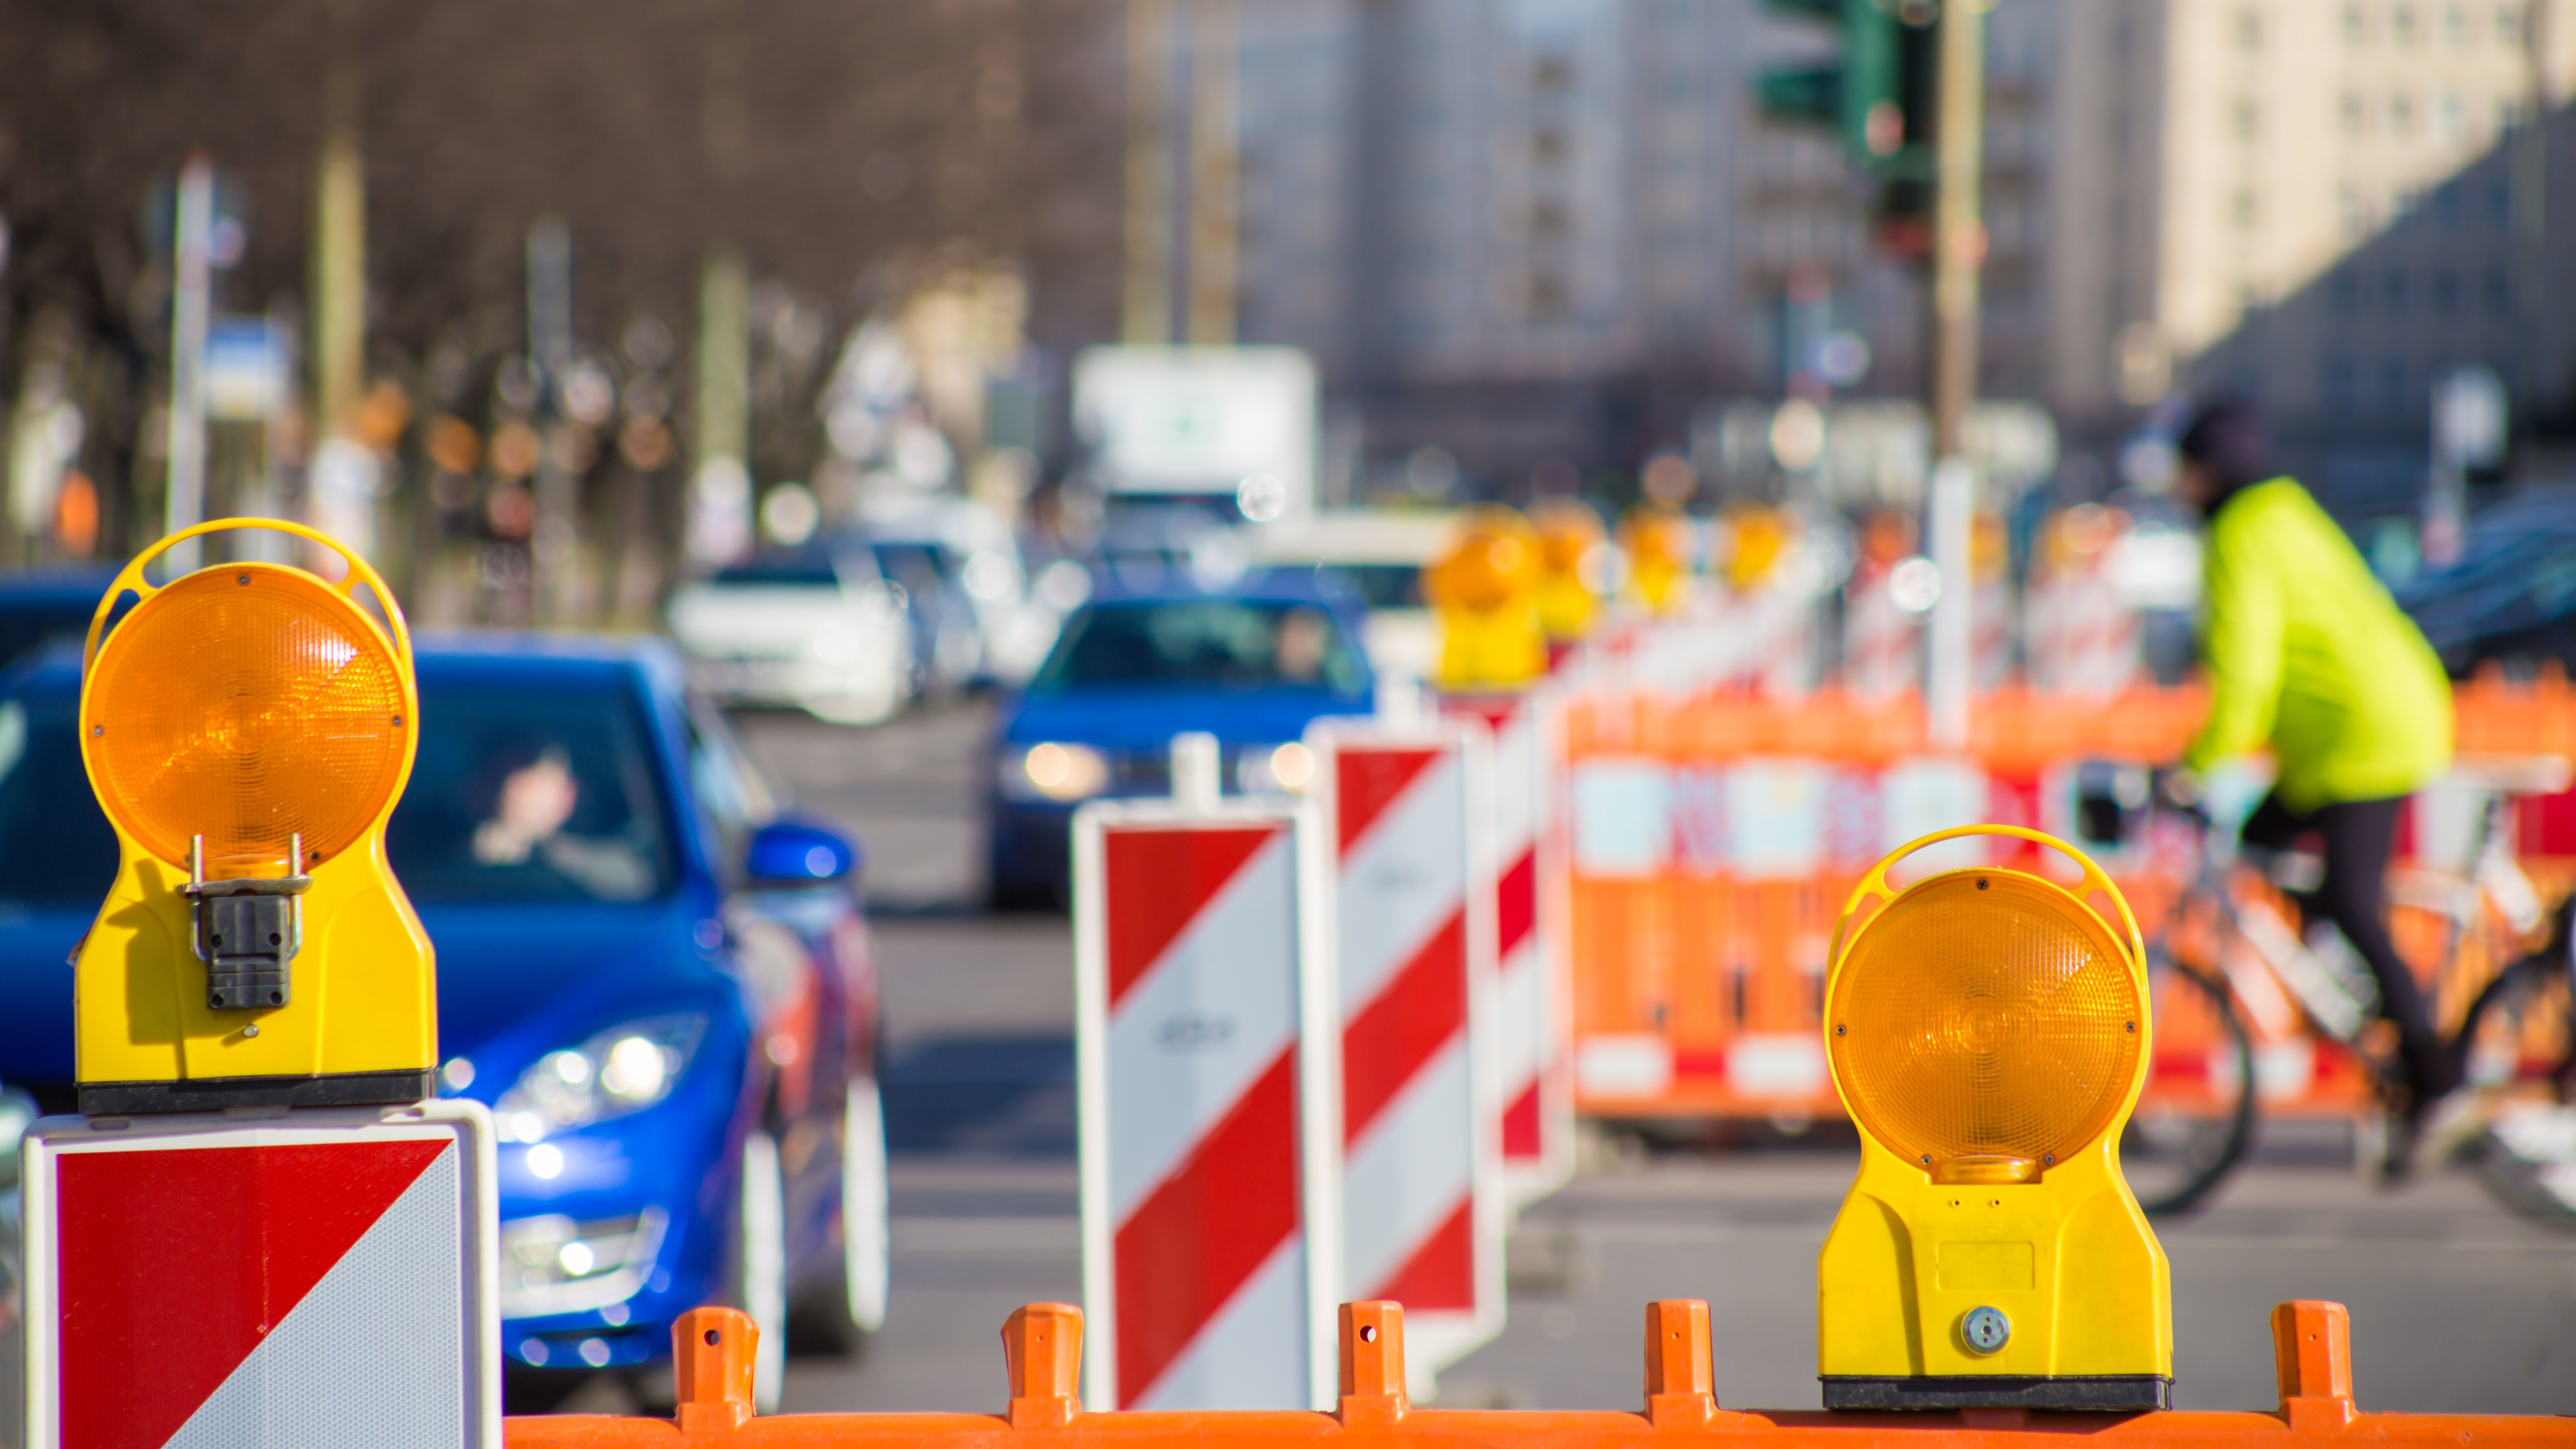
2309, 655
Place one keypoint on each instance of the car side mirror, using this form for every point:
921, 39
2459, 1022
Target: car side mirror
799, 852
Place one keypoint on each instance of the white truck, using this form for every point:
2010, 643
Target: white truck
1201, 424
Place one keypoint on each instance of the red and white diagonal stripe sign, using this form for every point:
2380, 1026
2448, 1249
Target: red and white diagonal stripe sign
1204, 1059
1412, 906
1534, 1042
321, 1279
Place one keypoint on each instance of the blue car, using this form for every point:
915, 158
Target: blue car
1133, 667
660, 985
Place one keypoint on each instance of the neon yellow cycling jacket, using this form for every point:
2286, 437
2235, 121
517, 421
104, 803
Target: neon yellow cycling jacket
2308, 654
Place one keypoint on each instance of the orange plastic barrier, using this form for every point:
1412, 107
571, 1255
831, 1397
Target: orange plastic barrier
1696, 982
1042, 1355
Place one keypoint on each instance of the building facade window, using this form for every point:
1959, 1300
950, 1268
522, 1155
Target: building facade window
2401, 114
2508, 25
2242, 209
2249, 118
2249, 29
2401, 27
2356, 116
2356, 26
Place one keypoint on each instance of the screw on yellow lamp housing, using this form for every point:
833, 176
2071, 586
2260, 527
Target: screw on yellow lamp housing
1988, 1031
1485, 592
248, 728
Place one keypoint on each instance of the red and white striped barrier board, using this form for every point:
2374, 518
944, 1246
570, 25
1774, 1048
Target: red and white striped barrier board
322, 1278
1406, 806
1206, 1065
1534, 1045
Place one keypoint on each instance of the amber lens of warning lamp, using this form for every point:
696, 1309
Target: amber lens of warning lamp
1986, 1025
248, 704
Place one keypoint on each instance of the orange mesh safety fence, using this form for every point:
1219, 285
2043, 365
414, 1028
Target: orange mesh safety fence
1698, 947
1042, 1354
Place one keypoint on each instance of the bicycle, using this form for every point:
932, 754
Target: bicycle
2231, 978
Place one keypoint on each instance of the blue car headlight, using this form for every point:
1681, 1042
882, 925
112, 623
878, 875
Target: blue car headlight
1053, 771
623, 1069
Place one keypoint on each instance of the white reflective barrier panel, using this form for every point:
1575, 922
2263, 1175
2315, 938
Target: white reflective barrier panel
324, 1278
1407, 807
1206, 1069
1535, 1041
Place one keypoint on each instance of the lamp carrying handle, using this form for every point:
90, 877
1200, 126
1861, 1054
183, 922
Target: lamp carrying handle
1874, 886
130, 578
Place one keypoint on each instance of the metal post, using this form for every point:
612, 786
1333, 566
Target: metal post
184, 503
1148, 319
720, 484
551, 547
1197, 771
1958, 252
1214, 227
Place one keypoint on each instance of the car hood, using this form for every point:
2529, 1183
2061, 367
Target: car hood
506, 970
1146, 719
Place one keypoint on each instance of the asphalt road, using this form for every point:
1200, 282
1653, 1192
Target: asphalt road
2457, 1304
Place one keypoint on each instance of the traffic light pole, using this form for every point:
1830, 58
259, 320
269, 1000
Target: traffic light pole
1958, 251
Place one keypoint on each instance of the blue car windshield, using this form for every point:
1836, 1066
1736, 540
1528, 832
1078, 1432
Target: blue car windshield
530, 795
1202, 643
517, 795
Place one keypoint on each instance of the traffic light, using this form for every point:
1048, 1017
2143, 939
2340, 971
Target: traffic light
1878, 96
1988, 1030
248, 728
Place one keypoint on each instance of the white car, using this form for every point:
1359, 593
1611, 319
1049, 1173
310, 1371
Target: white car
1379, 555
819, 628
996, 623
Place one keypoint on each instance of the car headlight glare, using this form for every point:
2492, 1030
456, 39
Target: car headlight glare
624, 1069
1282, 770
1056, 772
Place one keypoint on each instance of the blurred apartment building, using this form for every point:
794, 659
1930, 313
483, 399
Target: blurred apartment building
1541, 232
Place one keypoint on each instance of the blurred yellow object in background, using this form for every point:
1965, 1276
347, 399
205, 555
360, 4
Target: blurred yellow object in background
1486, 590
1569, 531
1658, 545
1759, 540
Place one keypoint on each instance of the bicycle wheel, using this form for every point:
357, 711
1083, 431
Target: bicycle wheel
2196, 1117
2518, 1050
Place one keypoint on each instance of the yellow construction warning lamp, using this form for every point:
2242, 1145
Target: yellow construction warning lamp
248, 728
1659, 555
1485, 592
1570, 543
1988, 1030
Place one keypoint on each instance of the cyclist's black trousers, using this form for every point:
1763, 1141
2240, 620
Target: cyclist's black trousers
2359, 837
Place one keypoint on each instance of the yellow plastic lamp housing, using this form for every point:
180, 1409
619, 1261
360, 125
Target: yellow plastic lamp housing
1988, 1031
1485, 591
248, 728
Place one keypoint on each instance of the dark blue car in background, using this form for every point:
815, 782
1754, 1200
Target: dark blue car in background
1252, 666
660, 985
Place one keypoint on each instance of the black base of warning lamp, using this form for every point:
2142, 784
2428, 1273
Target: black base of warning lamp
2111, 1393
213, 1094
